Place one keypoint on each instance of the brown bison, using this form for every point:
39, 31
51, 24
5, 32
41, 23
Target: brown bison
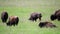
34, 16
56, 15
4, 16
46, 24
13, 20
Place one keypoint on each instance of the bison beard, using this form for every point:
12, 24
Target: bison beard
4, 16
13, 21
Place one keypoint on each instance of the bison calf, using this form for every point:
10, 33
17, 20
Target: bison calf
34, 16
13, 20
4, 16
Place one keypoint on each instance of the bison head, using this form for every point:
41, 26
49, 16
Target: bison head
53, 17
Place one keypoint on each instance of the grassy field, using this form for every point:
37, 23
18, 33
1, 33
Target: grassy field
23, 9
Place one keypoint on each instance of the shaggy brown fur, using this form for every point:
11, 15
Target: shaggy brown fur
13, 20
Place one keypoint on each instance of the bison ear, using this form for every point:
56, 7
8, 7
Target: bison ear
53, 17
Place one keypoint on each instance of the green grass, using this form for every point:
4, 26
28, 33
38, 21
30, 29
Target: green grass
23, 12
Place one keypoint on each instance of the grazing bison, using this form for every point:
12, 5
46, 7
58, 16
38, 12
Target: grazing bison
34, 16
13, 20
56, 15
46, 24
4, 16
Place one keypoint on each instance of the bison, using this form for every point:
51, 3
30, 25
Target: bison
13, 20
56, 15
34, 16
46, 24
4, 16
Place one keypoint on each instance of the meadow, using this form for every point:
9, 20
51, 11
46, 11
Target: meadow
23, 9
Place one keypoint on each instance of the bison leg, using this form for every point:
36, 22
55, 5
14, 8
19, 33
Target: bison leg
14, 24
35, 20
39, 18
